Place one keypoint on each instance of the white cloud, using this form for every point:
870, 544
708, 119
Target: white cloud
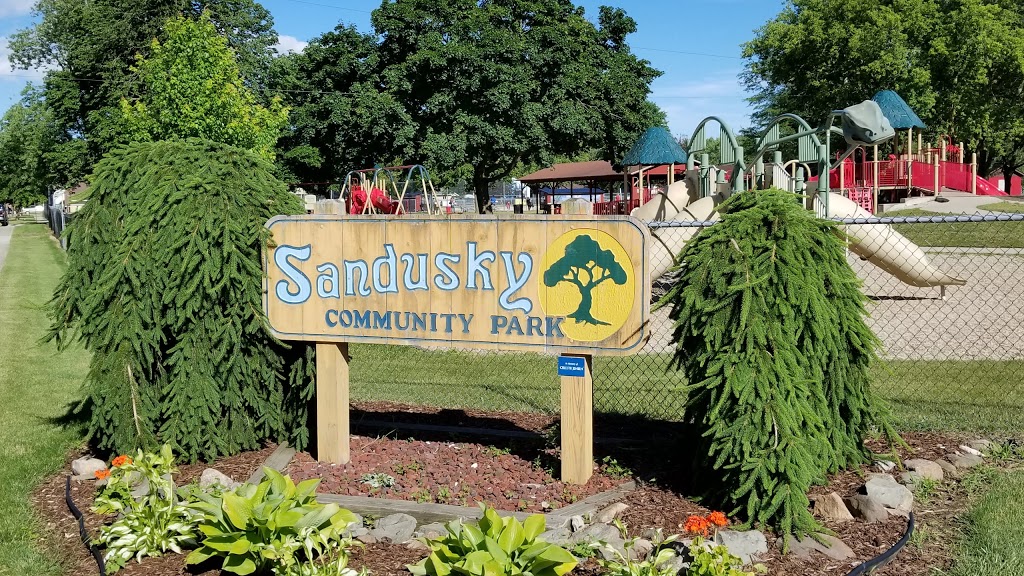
688, 103
11, 8
9, 74
287, 44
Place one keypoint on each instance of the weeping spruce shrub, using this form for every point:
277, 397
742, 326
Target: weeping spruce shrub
769, 329
164, 287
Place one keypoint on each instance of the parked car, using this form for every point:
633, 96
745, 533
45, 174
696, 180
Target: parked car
4, 218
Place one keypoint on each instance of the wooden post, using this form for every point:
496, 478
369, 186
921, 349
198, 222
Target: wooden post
919, 146
936, 165
332, 429
974, 173
874, 174
578, 423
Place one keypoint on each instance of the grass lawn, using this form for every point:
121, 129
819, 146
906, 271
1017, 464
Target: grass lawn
963, 234
982, 396
35, 384
994, 541
1005, 206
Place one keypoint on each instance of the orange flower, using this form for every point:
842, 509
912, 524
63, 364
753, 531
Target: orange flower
103, 474
697, 525
121, 461
718, 519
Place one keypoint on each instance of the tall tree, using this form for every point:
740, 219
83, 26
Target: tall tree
93, 45
498, 84
958, 63
191, 87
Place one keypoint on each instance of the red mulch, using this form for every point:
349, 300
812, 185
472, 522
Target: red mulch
505, 479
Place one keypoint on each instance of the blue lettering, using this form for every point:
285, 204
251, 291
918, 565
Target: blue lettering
327, 318
516, 283
361, 320
498, 322
345, 318
475, 266
419, 322
448, 322
554, 326
381, 321
324, 278
441, 262
398, 322
350, 277
465, 322
391, 261
514, 324
303, 289
534, 323
420, 284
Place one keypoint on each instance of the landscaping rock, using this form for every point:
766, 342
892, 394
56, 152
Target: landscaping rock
981, 445
433, 530
601, 533
213, 477
888, 492
910, 480
866, 508
886, 465
86, 468
642, 548
970, 450
948, 469
394, 528
745, 545
576, 523
611, 512
804, 548
964, 460
417, 546
675, 565
925, 469
560, 536
366, 539
831, 507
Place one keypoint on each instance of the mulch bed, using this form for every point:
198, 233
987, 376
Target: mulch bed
510, 474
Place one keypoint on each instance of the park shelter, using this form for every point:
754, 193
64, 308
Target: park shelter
589, 173
656, 147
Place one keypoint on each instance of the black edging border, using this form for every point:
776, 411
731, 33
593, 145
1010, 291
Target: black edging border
82, 533
869, 566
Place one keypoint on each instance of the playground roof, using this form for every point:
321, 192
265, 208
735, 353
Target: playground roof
656, 146
594, 171
900, 115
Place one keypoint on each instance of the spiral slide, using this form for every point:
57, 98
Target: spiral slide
879, 244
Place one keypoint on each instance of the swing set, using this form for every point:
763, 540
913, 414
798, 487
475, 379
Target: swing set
383, 190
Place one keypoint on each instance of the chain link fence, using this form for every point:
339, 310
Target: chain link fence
951, 356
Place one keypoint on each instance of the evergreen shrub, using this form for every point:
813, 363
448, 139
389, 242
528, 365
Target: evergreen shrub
164, 286
769, 329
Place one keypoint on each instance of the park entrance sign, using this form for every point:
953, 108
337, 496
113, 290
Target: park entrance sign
569, 285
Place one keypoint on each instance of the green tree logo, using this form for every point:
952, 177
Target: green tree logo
585, 265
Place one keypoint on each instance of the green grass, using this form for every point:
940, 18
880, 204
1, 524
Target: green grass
36, 384
995, 530
1005, 206
980, 396
962, 234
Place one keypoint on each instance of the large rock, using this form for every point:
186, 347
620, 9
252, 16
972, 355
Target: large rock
608, 514
831, 507
888, 492
866, 508
212, 477
925, 469
86, 468
433, 530
965, 460
744, 545
577, 523
394, 528
560, 536
805, 548
603, 534
641, 548
981, 445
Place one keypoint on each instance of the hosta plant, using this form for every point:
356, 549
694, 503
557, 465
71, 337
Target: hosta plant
708, 559
158, 526
274, 526
494, 546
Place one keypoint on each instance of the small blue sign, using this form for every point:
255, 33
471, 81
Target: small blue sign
572, 366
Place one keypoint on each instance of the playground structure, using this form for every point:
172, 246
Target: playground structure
380, 191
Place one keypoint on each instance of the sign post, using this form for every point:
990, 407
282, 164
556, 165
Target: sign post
573, 286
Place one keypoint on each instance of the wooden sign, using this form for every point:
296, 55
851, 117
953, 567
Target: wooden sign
573, 284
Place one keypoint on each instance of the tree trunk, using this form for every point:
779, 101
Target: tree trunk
583, 313
483, 196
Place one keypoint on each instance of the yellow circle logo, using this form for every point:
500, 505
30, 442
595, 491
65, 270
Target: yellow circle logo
587, 278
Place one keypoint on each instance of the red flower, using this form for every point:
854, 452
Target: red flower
697, 525
718, 519
102, 474
121, 461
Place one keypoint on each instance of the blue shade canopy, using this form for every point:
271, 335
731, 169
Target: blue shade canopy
656, 147
895, 109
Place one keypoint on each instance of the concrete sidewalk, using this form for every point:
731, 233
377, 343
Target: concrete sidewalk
5, 242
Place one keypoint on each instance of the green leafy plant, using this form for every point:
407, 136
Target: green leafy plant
443, 494
275, 525
707, 559
150, 525
611, 467
494, 546
622, 564
769, 327
422, 495
584, 550
495, 451
925, 488
378, 480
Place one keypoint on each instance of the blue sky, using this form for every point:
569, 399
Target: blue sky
696, 43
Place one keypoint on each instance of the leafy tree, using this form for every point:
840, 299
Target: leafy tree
500, 84
163, 287
769, 329
192, 88
94, 44
958, 63
586, 266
